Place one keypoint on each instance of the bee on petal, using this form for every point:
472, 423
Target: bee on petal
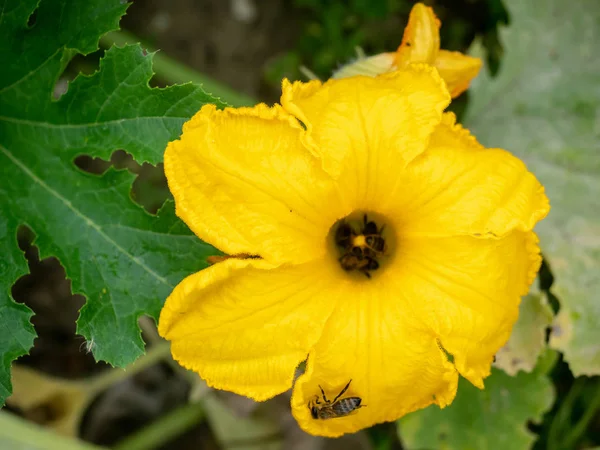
338, 407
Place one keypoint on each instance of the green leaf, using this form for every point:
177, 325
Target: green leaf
491, 419
544, 107
528, 338
124, 260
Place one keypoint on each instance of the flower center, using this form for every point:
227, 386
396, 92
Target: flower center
362, 242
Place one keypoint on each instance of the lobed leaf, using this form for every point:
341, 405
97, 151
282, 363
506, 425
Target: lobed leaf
124, 260
491, 419
528, 338
544, 106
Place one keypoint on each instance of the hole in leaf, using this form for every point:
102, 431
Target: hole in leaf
95, 166
32, 19
78, 65
57, 350
149, 189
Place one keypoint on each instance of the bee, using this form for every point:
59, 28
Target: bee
373, 238
350, 262
336, 408
360, 249
343, 236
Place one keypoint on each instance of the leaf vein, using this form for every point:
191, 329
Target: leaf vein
86, 219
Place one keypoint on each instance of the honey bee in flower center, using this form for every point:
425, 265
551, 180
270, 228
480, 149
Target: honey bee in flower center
362, 249
338, 407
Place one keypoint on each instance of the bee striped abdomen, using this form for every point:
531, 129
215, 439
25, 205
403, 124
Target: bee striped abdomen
345, 406
339, 407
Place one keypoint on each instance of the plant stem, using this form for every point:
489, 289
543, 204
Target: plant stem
174, 72
561, 419
164, 429
574, 435
159, 351
17, 433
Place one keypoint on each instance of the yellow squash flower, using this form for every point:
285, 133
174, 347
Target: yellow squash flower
370, 233
420, 44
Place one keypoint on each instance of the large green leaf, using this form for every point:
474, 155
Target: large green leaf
544, 106
122, 259
528, 338
491, 419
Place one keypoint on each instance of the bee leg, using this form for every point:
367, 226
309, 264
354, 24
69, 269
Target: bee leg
373, 264
366, 272
343, 390
323, 392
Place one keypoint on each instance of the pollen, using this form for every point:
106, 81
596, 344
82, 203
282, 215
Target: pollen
359, 241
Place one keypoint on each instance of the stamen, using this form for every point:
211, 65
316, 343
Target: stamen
359, 241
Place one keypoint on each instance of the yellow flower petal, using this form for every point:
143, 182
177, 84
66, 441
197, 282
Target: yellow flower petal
394, 366
389, 336
451, 134
466, 291
365, 130
245, 325
420, 44
370, 66
243, 182
430, 291
448, 191
457, 70
421, 40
